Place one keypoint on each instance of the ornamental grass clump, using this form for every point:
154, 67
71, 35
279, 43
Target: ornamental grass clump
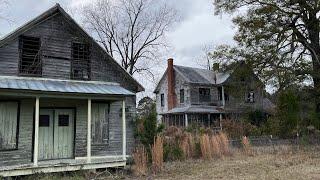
215, 146
157, 154
224, 144
140, 158
205, 147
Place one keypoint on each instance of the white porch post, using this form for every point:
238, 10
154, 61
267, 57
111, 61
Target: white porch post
186, 120
36, 133
124, 143
223, 100
89, 132
220, 121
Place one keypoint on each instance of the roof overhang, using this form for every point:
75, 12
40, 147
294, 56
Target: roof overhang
27, 85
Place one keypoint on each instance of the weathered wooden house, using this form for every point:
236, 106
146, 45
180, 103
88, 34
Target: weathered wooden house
65, 104
188, 95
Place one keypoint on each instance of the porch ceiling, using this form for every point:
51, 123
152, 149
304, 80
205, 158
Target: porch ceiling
62, 86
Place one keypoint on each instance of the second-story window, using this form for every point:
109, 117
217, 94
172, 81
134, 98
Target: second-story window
250, 97
181, 95
80, 68
204, 95
162, 100
30, 56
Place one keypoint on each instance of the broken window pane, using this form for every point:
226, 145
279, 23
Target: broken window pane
80, 61
30, 56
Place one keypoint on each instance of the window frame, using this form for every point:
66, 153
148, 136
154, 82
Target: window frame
17, 127
248, 98
182, 96
20, 49
162, 99
206, 97
107, 116
72, 76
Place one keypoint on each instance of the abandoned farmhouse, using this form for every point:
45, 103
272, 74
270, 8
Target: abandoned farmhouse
65, 104
187, 95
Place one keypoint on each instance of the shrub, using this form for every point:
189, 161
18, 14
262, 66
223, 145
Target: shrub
140, 158
157, 154
246, 146
146, 128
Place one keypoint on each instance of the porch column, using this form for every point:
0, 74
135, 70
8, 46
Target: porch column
36, 133
89, 132
124, 143
223, 100
186, 120
220, 122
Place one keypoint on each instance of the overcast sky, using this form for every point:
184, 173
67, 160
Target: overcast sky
198, 27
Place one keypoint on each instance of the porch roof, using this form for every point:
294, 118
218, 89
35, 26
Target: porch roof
196, 109
62, 86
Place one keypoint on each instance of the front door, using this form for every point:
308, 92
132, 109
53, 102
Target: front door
56, 134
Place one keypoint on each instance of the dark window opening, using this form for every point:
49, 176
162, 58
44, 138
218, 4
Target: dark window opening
80, 69
220, 93
63, 120
44, 121
181, 95
250, 97
162, 100
30, 56
204, 95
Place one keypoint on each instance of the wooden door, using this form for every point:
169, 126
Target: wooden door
46, 134
63, 133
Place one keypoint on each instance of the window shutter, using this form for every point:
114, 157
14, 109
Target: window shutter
8, 125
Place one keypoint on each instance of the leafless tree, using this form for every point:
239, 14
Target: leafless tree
133, 31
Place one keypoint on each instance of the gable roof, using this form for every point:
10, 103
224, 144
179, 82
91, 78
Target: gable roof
51, 12
198, 76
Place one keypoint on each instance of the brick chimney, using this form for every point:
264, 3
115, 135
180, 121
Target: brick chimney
172, 97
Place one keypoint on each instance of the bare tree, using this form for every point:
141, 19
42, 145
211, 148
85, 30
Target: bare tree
133, 31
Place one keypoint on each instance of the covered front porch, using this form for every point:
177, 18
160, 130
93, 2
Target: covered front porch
66, 131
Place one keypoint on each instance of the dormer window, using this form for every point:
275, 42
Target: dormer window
30, 56
80, 68
181, 96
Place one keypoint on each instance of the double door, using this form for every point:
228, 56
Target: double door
56, 134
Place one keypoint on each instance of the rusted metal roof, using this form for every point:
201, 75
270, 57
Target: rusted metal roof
62, 86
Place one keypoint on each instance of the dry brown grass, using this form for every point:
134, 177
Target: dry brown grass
215, 146
224, 144
283, 165
157, 155
140, 158
205, 147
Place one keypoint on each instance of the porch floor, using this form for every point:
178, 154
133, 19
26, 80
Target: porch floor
61, 165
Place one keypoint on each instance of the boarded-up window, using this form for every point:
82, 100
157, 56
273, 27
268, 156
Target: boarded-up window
8, 125
80, 61
30, 56
100, 123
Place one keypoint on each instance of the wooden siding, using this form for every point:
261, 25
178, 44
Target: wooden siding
57, 36
23, 155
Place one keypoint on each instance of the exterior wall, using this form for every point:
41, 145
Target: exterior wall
57, 36
214, 101
25, 139
179, 84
